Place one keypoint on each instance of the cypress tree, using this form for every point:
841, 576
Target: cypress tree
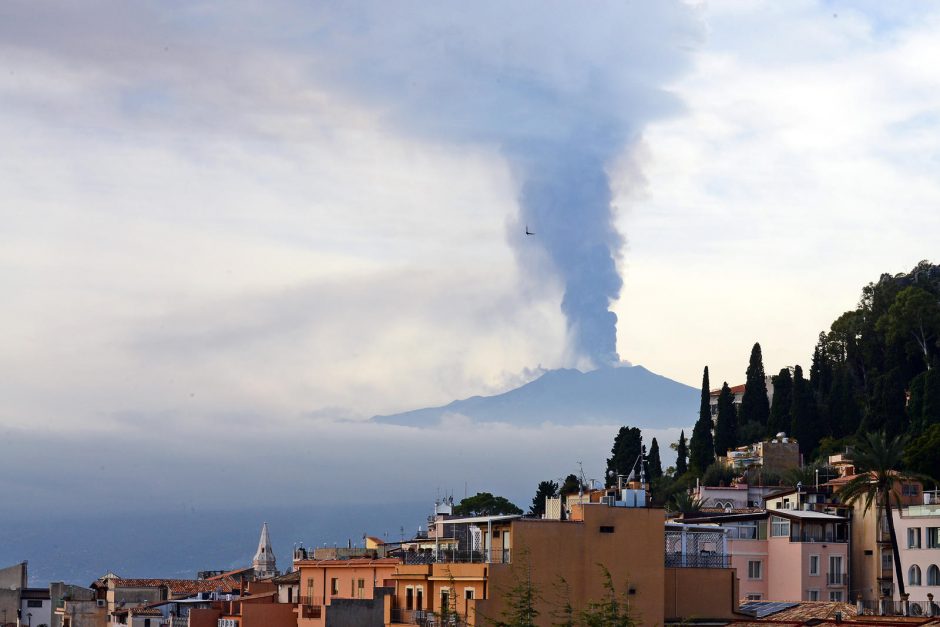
803, 418
780, 419
843, 409
654, 464
755, 408
702, 446
726, 427
682, 454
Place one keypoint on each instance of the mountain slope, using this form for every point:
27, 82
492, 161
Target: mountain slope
628, 395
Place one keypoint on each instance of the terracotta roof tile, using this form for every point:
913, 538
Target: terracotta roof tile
181, 586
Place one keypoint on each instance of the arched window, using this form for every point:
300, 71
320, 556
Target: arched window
913, 575
933, 575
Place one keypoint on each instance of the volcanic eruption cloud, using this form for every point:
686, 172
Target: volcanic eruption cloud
562, 88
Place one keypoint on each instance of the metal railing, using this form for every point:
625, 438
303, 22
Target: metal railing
451, 556
837, 579
697, 560
426, 619
311, 607
888, 607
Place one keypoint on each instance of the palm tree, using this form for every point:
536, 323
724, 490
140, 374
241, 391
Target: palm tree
877, 459
683, 503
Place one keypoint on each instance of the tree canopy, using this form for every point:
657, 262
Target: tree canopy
485, 504
624, 454
546, 489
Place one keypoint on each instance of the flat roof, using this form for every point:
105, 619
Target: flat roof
802, 514
479, 519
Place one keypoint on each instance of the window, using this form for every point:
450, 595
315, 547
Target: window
835, 595
913, 575
913, 538
409, 598
753, 596
334, 586
779, 527
933, 575
835, 569
813, 566
910, 489
419, 598
361, 587
753, 569
468, 593
445, 599
933, 537
813, 595
606, 529
887, 560
34, 603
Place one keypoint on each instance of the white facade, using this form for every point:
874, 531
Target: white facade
918, 533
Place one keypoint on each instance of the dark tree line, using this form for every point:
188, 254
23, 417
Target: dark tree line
875, 370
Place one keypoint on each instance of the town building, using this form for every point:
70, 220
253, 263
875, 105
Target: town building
872, 562
918, 533
794, 549
13, 580
776, 455
737, 392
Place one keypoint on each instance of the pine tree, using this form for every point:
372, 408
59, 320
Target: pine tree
780, 419
624, 454
726, 427
702, 446
546, 489
755, 408
682, 454
654, 464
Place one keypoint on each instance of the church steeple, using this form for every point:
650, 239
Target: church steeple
265, 563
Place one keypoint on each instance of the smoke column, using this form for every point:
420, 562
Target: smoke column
561, 88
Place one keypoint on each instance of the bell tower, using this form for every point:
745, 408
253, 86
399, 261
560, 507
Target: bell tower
265, 564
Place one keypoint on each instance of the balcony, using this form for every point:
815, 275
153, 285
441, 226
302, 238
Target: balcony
448, 556
426, 619
697, 560
311, 607
836, 580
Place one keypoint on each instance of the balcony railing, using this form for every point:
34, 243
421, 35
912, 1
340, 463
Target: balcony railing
828, 537
426, 619
697, 560
311, 607
452, 556
837, 579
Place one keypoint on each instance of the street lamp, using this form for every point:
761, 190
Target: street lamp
29, 619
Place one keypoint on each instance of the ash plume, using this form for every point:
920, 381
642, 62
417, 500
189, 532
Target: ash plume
561, 88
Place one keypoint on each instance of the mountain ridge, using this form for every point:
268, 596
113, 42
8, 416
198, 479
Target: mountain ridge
622, 395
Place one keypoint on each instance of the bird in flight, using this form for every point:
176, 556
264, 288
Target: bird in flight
527, 231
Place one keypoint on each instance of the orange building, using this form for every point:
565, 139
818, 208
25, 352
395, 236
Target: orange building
353, 588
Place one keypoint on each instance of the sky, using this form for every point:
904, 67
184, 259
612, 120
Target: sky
232, 231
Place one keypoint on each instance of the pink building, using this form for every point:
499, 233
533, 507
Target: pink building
918, 532
787, 554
